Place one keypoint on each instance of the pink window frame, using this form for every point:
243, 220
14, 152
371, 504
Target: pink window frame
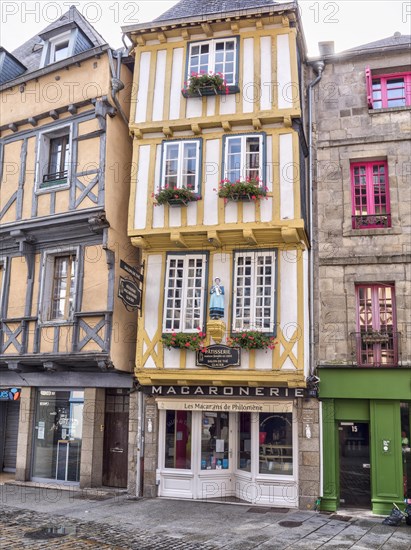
383, 80
370, 197
375, 348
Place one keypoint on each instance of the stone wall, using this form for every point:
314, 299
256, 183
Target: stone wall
346, 130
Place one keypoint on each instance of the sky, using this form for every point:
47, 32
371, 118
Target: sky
348, 23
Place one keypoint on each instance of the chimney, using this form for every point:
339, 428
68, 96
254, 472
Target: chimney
326, 48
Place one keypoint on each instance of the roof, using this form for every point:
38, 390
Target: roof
397, 39
192, 8
29, 53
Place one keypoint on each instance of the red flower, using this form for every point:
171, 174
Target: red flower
187, 344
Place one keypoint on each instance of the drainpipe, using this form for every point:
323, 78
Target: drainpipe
116, 83
139, 454
318, 67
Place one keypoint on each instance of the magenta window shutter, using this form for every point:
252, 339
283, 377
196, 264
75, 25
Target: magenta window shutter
368, 80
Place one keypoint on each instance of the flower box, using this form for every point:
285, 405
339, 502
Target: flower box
179, 196
178, 202
192, 341
251, 189
203, 84
252, 339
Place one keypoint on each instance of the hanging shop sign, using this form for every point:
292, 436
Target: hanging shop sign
218, 357
10, 394
129, 293
132, 271
227, 391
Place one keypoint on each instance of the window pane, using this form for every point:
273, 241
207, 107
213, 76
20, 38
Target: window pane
62, 297
60, 51
214, 441
244, 442
234, 159
178, 440
275, 443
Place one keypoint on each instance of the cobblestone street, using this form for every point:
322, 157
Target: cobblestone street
65, 520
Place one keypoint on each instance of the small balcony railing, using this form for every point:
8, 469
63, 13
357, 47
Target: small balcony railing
376, 348
371, 221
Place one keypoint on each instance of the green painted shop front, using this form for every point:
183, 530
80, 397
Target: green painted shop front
375, 406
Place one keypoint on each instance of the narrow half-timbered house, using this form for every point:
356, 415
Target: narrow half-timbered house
66, 340
218, 208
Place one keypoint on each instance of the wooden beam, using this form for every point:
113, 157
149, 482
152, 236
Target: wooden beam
140, 242
257, 124
226, 125
196, 129
177, 239
235, 27
167, 131
249, 236
162, 38
185, 34
214, 239
140, 40
207, 29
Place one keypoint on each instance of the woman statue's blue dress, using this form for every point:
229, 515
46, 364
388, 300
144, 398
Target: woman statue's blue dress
217, 300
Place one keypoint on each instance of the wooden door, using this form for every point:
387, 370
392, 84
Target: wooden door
115, 458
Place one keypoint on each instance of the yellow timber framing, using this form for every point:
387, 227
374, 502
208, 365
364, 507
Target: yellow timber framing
151, 233
290, 347
273, 115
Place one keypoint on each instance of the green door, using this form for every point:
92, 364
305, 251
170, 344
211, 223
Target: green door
355, 483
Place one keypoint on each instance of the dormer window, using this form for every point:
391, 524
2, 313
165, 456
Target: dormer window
60, 44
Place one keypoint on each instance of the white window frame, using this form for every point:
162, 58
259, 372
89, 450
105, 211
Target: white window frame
43, 158
211, 58
243, 164
180, 144
50, 45
202, 298
47, 280
252, 325
3, 267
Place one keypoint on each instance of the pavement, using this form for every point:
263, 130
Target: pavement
39, 517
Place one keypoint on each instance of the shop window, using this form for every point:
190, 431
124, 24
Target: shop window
254, 291
214, 441
370, 195
184, 299
244, 157
58, 435
178, 440
218, 56
388, 90
53, 170
275, 443
59, 286
377, 339
181, 166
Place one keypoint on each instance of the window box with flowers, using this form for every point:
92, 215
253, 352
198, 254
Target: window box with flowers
192, 341
202, 84
252, 339
251, 189
175, 196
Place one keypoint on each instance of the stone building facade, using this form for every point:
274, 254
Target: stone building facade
362, 114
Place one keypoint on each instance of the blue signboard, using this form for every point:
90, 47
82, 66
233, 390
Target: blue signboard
10, 394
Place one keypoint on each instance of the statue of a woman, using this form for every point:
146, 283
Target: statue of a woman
217, 300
